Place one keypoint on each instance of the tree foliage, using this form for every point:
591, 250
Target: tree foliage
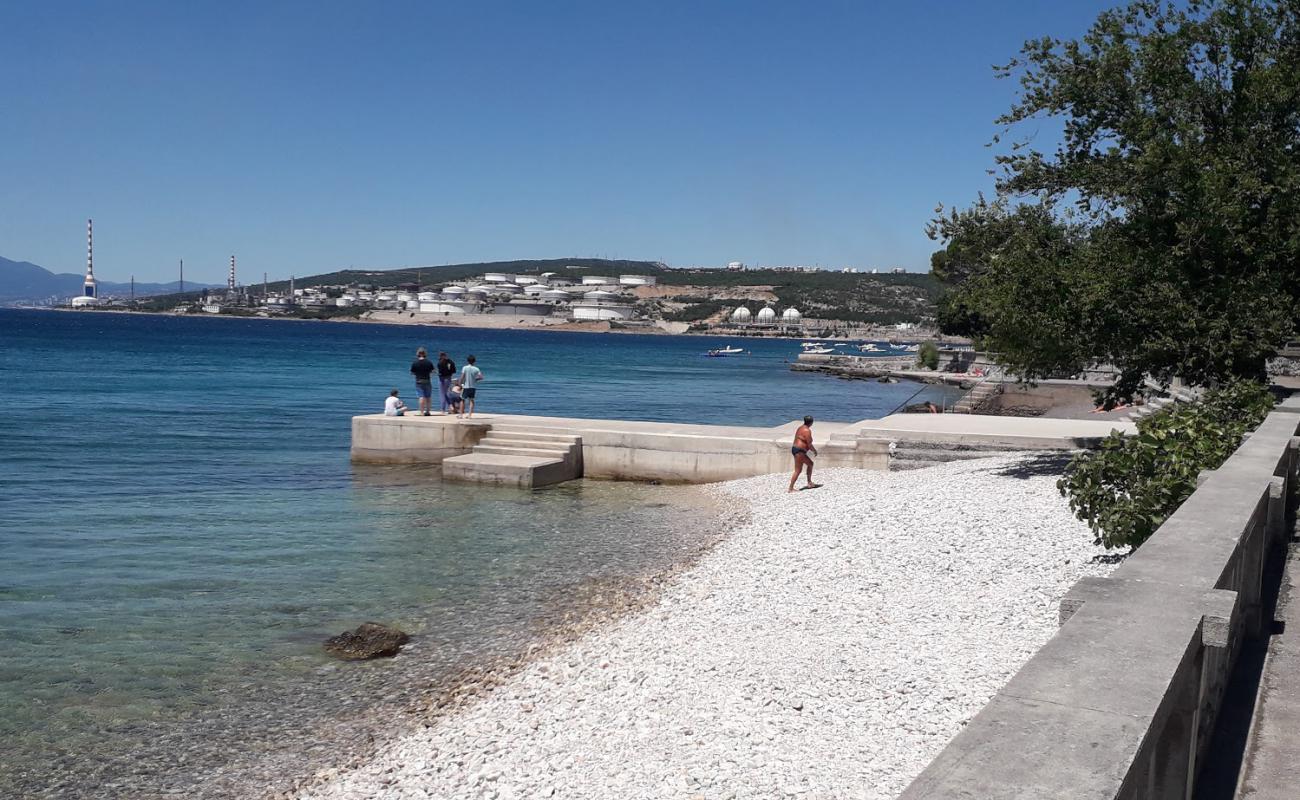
1162, 232
1129, 486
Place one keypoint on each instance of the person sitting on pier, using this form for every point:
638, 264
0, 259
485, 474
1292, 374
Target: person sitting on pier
803, 445
393, 406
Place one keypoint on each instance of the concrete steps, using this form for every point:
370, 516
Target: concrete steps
973, 399
511, 455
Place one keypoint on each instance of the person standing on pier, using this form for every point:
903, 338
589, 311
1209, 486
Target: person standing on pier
469, 378
422, 369
446, 371
803, 445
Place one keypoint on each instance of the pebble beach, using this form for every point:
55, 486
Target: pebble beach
828, 647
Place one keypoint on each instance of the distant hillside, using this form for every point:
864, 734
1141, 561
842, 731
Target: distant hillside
455, 272
440, 275
25, 281
850, 296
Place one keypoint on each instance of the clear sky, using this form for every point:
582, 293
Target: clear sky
309, 136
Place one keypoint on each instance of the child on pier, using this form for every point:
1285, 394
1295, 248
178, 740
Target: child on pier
393, 406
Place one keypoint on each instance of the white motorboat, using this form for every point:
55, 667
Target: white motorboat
725, 351
871, 347
818, 350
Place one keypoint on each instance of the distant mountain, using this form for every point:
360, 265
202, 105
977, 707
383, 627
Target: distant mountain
25, 281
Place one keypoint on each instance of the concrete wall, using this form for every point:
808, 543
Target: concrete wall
619, 450
686, 458
1121, 703
377, 439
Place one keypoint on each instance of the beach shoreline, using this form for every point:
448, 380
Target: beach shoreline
779, 663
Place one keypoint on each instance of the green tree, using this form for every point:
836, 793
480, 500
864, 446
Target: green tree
1162, 232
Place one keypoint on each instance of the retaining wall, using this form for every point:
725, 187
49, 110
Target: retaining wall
1122, 701
621, 449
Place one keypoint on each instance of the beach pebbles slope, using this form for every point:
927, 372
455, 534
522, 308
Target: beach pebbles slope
829, 648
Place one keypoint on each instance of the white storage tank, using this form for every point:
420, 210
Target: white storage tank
496, 277
587, 310
767, 315
741, 314
791, 314
555, 295
599, 294
427, 297
636, 280
534, 289
596, 280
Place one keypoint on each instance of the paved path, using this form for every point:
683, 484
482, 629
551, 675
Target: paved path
1272, 768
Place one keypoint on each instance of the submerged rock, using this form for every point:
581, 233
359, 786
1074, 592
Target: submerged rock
369, 640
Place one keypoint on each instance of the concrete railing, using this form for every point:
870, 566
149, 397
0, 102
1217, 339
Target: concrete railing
1122, 701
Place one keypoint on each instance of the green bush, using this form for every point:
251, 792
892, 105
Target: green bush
1129, 486
928, 355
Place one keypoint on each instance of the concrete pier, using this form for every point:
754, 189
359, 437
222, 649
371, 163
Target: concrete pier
682, 453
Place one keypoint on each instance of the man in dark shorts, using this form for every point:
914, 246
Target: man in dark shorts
470, 375
803, 445
422, 369
446, 371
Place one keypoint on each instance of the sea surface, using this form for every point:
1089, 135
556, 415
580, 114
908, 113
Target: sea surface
180, 528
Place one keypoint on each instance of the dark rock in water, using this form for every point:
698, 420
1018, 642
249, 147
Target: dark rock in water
370, 640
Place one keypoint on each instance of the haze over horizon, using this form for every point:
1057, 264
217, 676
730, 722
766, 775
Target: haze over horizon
310, 137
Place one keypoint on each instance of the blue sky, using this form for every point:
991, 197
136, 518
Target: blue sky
304, 137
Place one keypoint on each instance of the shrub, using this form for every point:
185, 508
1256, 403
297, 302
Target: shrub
928, 355
1130, 485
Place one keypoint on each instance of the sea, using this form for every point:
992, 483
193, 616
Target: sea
181, 528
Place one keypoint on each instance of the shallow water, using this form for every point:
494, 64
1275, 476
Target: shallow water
180, 528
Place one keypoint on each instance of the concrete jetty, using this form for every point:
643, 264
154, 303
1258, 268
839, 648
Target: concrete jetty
529, 451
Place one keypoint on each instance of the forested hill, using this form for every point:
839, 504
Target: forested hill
688, 294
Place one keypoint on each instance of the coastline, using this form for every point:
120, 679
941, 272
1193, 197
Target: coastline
780, 662
494, 322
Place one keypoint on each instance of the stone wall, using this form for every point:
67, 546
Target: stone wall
1121, 703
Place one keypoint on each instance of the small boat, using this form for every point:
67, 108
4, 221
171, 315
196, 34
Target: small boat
724, 351
871, 347
818, 350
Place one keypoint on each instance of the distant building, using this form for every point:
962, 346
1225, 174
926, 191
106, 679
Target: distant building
736, 266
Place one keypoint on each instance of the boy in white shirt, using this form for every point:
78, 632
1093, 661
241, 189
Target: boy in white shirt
393, 406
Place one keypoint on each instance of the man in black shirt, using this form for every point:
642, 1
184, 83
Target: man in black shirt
446, 371
422, 369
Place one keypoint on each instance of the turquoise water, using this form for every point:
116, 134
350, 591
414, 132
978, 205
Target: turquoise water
180, 528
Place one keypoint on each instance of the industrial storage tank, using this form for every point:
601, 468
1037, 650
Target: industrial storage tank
741, 314
636, 280
452, 291
599, 280
791, 315
599, 294
497, 277
768, 314
555, 294
427, 297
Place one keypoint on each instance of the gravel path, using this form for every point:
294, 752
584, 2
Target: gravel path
829, 648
